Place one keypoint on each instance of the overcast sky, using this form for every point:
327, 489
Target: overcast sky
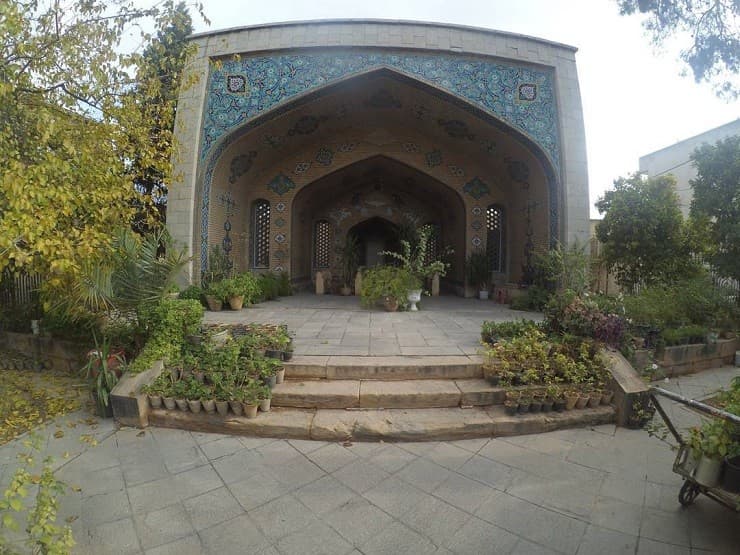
634, 99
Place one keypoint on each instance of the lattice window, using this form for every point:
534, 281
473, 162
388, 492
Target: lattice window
261, 234
322, 244
495, 241
433, 244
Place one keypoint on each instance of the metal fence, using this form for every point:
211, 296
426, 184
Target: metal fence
19, 290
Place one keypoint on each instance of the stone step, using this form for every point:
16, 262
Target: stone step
439, 424
409, 394
384, 367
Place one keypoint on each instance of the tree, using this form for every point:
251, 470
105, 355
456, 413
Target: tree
160, 70
70, 128
643, 232
714, 52
716, 201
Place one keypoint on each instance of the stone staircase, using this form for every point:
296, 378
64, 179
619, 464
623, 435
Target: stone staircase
406, 398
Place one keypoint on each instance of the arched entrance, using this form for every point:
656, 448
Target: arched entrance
374, 236
379, 200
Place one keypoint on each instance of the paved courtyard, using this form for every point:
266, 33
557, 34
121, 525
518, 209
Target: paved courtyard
602, 490
336, 325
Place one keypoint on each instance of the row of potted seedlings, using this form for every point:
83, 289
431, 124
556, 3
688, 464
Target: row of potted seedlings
554, 398
219, 377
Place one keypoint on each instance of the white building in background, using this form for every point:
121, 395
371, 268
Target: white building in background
676, 159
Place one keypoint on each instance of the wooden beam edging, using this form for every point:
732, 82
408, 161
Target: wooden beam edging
130, 405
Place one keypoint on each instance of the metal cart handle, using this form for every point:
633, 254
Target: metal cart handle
701, 407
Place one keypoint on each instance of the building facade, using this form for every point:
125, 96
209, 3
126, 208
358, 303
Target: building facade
299, 135
676, 160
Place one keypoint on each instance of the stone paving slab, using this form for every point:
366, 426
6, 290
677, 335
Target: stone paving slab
409, 394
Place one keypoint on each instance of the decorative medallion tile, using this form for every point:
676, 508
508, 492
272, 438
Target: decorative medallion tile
279, 222
241, 164
347, 147
306, 125
477, 225
476, 241
434, 158
456, 129
518, 170
324, 156
280, 238
528, 92
457, 171
280, 207
411, 147
302, 167
477, 211
227, 201
476, 188
280, 255
489, 146
281, 184
236, 84
278, 269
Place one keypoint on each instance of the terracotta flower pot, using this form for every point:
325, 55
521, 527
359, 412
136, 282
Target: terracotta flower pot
155, 401
209, 405
582, 401
236, 303
213, 303
570, 400
194, 406
182, 404
169, 403
594, 399
390, 304
222, 407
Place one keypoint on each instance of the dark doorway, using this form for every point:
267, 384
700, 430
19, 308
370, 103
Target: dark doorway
375, 235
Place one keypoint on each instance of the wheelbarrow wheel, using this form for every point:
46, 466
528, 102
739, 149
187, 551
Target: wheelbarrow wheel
689, 491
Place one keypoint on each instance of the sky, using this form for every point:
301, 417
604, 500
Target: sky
635, 100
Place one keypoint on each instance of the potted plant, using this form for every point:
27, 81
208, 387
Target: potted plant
387, 284
102, 375
208, 399
414, 258
194, 393
232, 291
179, 392
264, 395
510, 407
710, 444
478, 272
571, 396
349, 261
250, 395
215, 295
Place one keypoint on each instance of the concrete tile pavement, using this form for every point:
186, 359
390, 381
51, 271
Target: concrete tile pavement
336, 325
577, 491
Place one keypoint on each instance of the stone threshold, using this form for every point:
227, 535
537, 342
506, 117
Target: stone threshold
440, 424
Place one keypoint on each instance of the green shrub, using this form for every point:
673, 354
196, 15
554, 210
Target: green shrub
248, 285
386, 281
193, 293
684, 335
692, 301
284, 287
269, 286
491, 332
535, 299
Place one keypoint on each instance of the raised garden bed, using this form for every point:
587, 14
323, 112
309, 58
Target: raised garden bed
686, 359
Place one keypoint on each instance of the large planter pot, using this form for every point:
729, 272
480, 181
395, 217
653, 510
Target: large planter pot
731, 476
213, 303
594, 400
390, 304
345, 290
265, 405
413, 297
236, 303
582, 401
707, 471
571, 400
